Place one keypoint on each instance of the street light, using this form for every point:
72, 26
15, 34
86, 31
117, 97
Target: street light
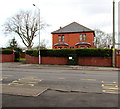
39, 34
113, 57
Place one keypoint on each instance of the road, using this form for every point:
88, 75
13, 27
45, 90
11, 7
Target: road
64, 86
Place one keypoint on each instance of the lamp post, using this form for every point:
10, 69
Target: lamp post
39, 33
113, 57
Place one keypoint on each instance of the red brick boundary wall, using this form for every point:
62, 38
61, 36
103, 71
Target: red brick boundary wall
31, 59
55, 60
117, 58
47, 60
22, 55
87, 61
7, 58
95, 61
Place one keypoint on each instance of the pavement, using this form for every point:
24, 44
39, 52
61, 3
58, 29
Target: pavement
51, 98
62, 67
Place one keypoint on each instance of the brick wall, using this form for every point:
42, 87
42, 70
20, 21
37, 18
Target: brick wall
95, 61
47, 60
117, 58
54, 60
7, 58
22, 55
85, 61
31, 59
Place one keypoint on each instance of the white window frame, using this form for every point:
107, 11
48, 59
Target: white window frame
59, 38
84, 37
81, 37
62, 38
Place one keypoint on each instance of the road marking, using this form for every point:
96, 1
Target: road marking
110, 91
88, 79
110, 87
22, 90
108, 82
30, 81
61, 78
5, 77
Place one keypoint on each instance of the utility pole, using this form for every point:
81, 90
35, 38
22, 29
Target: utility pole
113, 56
39, 33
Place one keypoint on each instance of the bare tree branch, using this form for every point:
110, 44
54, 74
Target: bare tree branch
25, 25
102, 39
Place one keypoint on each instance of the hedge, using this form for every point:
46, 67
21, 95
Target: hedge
93, 52
10, 51
6, 51
85, 52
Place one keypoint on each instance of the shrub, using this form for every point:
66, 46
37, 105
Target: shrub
15, 48
6, 51
32, 52
10, 51
93, 52
86, 52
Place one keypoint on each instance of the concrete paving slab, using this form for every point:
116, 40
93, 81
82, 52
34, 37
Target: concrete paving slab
59, 99
23, 90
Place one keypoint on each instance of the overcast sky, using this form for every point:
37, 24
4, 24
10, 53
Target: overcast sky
94, 14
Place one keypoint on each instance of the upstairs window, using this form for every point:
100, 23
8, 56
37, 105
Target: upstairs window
61, 38
82, 37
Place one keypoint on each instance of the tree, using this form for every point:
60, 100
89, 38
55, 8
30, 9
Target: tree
25, 25
102, 39
13, 43
43, 44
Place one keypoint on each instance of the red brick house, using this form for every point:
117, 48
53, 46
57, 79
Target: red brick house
73, 35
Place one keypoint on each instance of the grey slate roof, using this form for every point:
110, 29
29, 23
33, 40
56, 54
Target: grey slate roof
73, 28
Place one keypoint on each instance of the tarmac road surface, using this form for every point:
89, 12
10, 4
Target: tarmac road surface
65, 86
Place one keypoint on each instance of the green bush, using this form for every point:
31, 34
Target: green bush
15, 48
6, 51
10, 51
86, 52
32, 52
93, 52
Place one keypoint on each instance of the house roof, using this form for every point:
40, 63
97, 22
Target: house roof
59, 44
73, 28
